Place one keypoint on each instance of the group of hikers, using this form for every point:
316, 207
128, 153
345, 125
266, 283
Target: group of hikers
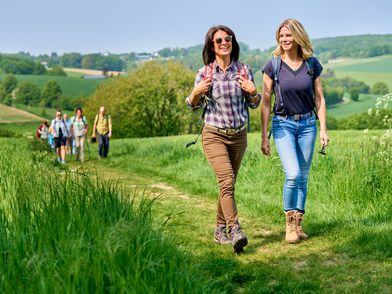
225, 88
69, 135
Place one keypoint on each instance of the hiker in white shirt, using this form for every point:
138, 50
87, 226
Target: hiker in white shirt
79, 131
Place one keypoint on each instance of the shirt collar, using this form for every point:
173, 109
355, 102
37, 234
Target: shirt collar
232, 66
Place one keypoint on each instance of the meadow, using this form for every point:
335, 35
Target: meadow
64, 229
71, 86
368, 70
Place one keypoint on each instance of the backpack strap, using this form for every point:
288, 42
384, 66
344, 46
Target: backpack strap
276, 64
201, 121
310, 65
245, 75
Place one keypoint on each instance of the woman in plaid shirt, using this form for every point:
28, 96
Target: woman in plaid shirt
225, 87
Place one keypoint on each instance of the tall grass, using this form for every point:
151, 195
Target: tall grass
350, 189
64, 232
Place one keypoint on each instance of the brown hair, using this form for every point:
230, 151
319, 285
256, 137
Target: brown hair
208, 49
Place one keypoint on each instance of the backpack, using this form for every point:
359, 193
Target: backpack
201, 121
38, 134
84, 122
277, 63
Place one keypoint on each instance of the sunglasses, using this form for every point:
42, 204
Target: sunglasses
228, 39
322, 151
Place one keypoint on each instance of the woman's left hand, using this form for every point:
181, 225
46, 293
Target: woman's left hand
324, 139
247, 86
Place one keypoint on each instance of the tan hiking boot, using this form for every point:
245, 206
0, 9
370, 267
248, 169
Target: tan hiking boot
298, 220
291, 232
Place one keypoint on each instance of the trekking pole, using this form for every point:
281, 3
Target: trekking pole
88, 148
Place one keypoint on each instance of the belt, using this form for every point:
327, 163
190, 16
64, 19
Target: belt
227, 131
298, 116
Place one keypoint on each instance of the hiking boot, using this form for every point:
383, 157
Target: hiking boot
299, 216
291, 232
238, 238
220, 235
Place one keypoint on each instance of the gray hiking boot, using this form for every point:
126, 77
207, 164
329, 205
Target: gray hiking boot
238, 238
220, 235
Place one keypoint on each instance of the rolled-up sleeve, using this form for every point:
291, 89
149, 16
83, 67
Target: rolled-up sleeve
198, 79
252, 105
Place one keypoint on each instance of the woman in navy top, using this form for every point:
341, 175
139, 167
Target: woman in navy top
293, 74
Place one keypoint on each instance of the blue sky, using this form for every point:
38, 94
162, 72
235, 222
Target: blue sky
119, 26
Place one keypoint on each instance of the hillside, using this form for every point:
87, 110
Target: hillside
71, 86
13, 115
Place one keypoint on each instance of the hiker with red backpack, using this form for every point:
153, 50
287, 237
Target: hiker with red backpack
79, 132
43, 131
293, 75
225, 87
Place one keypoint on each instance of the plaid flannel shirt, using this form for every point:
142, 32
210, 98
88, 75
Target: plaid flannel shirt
226, 101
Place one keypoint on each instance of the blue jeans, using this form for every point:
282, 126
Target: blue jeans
103, 148
295, 141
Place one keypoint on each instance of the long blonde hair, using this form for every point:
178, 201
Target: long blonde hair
305, 48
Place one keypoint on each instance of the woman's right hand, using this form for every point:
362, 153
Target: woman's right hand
202, 88
265, 147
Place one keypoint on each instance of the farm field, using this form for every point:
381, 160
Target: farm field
15, 115
369, 70
71, 86
348, 220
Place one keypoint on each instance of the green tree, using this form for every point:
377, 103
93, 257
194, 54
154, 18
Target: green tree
3, 93
354, 94
28, 93
72, 59
57, 70
9, 83
149, 102
50, 93
380, 88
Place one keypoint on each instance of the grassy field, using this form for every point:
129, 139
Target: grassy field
71, 86
14, 115
369, 70
66, 231
348, 217
346, 109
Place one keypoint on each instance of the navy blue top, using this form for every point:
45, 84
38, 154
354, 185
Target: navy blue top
296, 87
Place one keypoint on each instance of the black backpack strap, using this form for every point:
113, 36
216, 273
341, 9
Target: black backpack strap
201, 120
310, 65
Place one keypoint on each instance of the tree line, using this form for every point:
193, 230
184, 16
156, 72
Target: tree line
12, 64
151, 101
28, 93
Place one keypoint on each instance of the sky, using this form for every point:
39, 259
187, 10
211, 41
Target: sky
123, 26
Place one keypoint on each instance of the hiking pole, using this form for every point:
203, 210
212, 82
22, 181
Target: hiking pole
88, 148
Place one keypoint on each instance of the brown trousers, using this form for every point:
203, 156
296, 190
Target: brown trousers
224, 153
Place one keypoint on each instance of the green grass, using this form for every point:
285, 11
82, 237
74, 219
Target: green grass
65, 232
352, 107
22, 128
369, 70
71, 86
349, 214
